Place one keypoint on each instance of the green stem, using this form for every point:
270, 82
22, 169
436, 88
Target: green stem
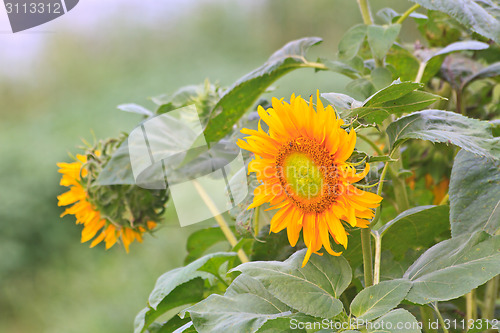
378, 257
490, 298
440, 318
367, 256
365, 11
407, 13
427, 318
256, 226
460, 103
470, 306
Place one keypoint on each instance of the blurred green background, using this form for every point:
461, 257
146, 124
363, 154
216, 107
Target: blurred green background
67, 84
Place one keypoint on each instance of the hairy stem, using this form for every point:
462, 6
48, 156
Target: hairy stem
256, 225
407, 13
367, 256
364, 7
220, 221
421, 70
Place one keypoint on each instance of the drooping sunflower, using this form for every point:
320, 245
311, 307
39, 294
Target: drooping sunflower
301, 164
121, 213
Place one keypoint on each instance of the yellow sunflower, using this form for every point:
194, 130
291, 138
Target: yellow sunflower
301, 164
74, 176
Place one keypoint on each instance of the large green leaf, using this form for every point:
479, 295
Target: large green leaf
241, 96
396, 321
187, 293
481, 16
397, 98
381, 38
374, 301
474, 194
415, 228
351, 42
201, 240
454, 267
204, 267
245, 307
313, 289
448, 127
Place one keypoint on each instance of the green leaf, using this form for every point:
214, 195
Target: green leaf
490, 71
393, 92
199, 268
201, 240
474, 194
398, 98
186, 293
447, 127
171, 325
118, 170
391, 322
351, 42
405, 63
454, 267
241, 96
245, 307
135, 108
341, 102
381, 38
414, 101
466, 45
381, 77
341, 68
374, 301
414, 228
271, 246
483, 19
313, 290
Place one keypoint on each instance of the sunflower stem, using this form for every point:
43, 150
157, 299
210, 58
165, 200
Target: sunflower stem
427, 316
378, 255
407, 13
470, 306
220, 221
256, 221
364, 7
440, 318
367, 256
490, 297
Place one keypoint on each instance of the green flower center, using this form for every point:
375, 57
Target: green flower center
303, 175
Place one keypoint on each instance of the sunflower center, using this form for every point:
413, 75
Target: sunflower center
308, 174
303, 175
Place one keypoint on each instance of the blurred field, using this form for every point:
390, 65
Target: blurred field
49, 282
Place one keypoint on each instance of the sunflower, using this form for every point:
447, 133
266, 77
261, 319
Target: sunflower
302, 168
87, 207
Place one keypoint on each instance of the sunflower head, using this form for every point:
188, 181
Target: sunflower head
109, 213
303, 169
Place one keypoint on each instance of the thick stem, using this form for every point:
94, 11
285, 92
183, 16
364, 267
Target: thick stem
220, 221
400, 192
470, 306
367, 256
490, 297
364, 7
407, 13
